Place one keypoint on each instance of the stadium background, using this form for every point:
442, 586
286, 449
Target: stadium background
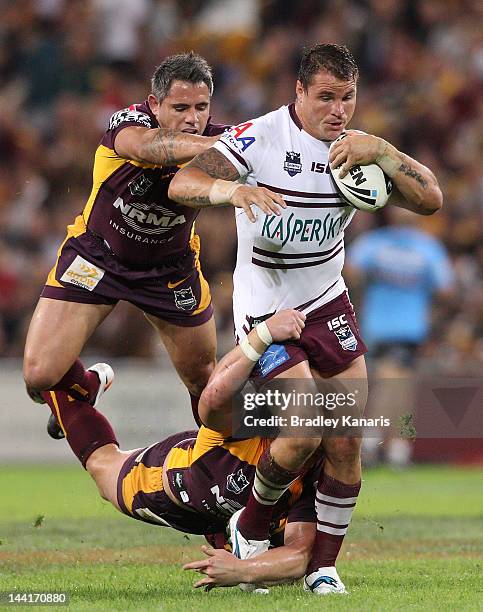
66, 65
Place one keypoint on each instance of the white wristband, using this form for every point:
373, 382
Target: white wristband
221, 191
264, 333
249, 351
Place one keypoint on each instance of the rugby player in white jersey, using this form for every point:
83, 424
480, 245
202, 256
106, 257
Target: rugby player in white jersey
294, 259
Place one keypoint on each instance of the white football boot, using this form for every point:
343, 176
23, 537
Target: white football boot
324, 581
106, 376
245, 549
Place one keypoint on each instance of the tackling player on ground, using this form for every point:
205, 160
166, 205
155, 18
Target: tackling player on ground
194, 481
295, 261
132, 243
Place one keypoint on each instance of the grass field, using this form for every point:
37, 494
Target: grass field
416, 543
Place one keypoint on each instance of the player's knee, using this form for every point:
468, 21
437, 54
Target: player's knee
97, 470
343, 450
197, 378
38, 375
298, 450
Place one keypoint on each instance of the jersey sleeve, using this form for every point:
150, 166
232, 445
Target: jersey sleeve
124, 118
244, 145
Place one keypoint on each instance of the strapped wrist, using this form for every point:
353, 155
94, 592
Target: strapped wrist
248, 350
222, 191
264, 333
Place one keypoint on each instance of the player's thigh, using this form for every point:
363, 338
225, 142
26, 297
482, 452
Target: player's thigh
57, 334
104, 466
191, 349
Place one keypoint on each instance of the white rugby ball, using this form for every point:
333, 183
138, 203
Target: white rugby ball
364, 187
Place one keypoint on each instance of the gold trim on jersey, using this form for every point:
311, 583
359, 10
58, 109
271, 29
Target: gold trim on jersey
141, 479
207, 439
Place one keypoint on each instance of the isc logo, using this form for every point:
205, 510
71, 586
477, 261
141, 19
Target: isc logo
336, 322
320, 168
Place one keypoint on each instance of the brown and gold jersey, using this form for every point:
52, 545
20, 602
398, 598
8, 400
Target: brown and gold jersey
129, 206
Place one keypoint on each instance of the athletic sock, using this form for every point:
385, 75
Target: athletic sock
334, 504
195, 400
79, 383
85, 428
271, 482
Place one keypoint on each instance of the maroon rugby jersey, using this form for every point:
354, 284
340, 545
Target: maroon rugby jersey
129, 206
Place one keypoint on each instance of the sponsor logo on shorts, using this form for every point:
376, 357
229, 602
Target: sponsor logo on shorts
139, 185
292, 164
274, 356
236, 482
346, 338
82, 274
184, 299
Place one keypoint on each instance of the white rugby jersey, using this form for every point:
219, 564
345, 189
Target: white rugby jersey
295, 260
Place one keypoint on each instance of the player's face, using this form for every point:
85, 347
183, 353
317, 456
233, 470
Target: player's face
186, 107
327, 106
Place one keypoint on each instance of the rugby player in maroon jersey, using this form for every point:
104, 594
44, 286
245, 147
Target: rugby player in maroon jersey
194, 481
133, 243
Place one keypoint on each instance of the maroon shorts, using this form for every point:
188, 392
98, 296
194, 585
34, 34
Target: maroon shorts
329, 342
88, 273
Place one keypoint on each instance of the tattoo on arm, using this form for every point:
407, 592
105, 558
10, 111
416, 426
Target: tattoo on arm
408, 171
163, 145
215, 165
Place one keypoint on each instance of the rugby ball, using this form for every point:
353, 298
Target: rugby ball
364, 187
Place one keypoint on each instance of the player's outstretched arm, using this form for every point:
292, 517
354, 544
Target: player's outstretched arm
208, 181
160, 146
283, 564
231, 372
416, 182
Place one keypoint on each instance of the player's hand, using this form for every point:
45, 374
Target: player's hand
286, 325
221, 568
268, 201
356, 150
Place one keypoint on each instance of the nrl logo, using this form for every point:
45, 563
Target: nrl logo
237, 482
184, 299
292, 164
139, 185
346, 338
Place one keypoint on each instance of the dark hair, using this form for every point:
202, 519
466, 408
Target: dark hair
336, 59
183, 67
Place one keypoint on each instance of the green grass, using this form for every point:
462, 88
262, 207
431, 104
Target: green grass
416, 543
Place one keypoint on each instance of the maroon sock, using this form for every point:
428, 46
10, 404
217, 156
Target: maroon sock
195, 400
271, 482
334, 504
85, 428
79, 383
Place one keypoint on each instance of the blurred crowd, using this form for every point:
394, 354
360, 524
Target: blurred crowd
67, 65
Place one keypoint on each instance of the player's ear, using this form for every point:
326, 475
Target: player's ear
153, 104
299, 91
